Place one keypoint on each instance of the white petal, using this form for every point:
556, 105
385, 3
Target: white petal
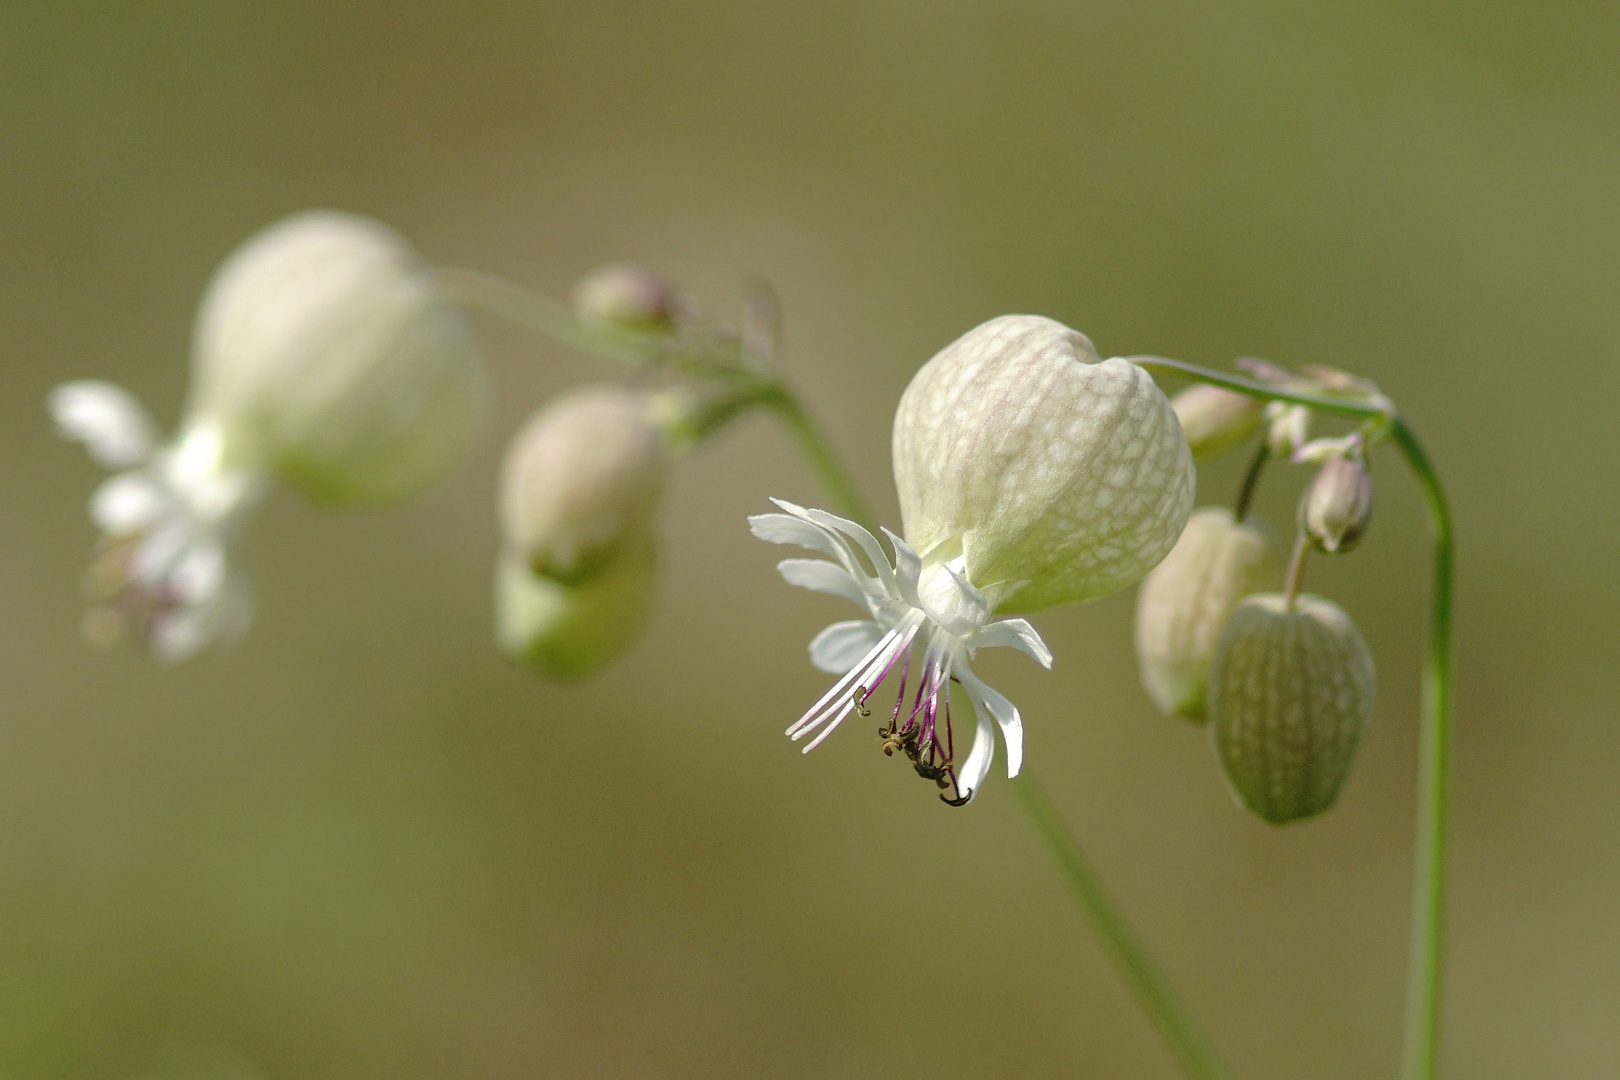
784, 529
907, 568
842, 645
796, 527
977, 765
107, 419
1014, 634
127, 503
819, 575
973, 604
846, 527
989, 701
200, 574
157, 554
181, 634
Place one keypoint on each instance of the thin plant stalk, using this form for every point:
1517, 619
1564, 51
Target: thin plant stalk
1152, 989
1429, 890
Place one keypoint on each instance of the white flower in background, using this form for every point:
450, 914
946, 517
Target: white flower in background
1030, 473
161, 571
323, 357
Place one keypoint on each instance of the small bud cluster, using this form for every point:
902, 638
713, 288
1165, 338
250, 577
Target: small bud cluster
1284, 678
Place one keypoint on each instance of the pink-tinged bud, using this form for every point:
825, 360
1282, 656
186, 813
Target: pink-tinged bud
625, 297
1337, 506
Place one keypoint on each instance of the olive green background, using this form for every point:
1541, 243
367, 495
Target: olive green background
358, 845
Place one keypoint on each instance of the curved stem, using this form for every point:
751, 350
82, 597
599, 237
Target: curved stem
1429, 880
1152, 990
540, 314
1361, 407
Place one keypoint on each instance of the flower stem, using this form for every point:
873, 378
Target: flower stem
1175, 1024
1251, 482
1429, 880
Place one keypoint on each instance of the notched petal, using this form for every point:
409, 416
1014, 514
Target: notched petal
818, 575
1013, 634
113, 426
838, 648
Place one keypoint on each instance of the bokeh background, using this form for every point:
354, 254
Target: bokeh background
359, 845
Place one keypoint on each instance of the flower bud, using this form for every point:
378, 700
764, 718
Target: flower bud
1290, 692
1214, 420
572, 631
1288, 427
1054, 476
1185, 601
1337, 506
625, 297
581, 477
325, 352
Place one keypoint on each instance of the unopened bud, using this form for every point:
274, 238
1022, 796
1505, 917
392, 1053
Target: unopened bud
582, 477
1337, 506
1185, 601
625, 297
1288, 427
1214, 420
571, 631
325, 353
1290, 692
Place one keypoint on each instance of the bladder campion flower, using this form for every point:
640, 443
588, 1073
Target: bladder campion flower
323, 357
1030, 473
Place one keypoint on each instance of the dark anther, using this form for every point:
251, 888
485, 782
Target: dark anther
961, 800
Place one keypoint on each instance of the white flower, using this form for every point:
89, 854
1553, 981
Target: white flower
324, 357
906, 602
161, 572
1030, 473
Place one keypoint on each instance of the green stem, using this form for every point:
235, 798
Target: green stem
541, 314
846, 499
1152, 990
1251, 481
1429, 880
1361, 407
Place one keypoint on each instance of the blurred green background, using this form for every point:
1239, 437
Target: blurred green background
359, 845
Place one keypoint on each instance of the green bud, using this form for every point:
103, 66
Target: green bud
1185, 602
581, 478
1214, 420
625, 297
1290, 692
569, 632
1336, 508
